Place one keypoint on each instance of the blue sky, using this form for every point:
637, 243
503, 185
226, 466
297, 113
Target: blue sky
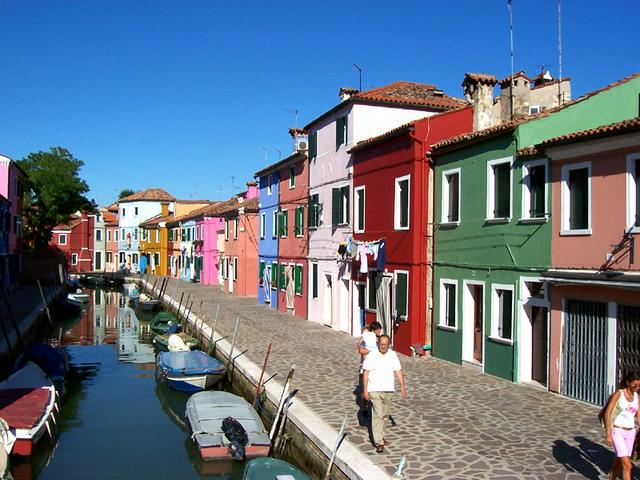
183, 95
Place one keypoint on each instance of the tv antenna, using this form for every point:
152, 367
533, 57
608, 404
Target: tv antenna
279, 153
266, 155
295, 112
359, 77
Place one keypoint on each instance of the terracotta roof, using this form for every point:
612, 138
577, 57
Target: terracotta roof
411, 93
474, 137
505, 81
295, 156
407, 127
154, 221
150, 194
530, 151
550, 83
109, 217
191, 202
618, 128
482, 78
113, 207
348, 91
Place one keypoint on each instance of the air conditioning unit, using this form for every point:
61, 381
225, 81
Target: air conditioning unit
301, 145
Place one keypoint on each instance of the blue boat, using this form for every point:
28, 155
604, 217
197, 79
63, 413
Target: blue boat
189, 371
52, 361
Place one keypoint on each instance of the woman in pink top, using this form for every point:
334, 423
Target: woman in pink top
620, 422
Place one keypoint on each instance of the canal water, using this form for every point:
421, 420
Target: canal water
115, 420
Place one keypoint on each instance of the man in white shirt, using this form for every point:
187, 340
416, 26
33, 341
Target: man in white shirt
378, 386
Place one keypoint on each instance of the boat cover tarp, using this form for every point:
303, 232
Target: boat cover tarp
206, 410
23, 407
267, 468
188, 363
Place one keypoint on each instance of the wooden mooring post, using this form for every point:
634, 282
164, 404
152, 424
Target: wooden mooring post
45, 305
339, 440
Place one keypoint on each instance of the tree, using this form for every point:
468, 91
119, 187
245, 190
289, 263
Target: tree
53, 192
125, 193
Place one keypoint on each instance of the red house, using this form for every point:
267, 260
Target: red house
392, 218
75, 240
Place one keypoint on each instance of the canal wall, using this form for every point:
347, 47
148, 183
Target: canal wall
311, 440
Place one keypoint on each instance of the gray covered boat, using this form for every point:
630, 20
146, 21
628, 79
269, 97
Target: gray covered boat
224, 426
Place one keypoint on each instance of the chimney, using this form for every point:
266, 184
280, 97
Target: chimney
300, 139
346, 93
521, 96
478, 89
252, 190
164, 209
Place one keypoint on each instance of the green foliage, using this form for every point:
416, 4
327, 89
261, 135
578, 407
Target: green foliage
53, 192
125, 193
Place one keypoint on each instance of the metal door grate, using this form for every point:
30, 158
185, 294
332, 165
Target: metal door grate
628, 341
584, 367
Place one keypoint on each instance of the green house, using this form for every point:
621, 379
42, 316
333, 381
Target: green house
493, 236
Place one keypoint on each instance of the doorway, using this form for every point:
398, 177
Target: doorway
327, 301
231, 275
344, 306
473, 322
539, 347
477, 293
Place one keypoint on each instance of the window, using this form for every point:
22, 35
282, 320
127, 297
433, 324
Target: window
358, 221
534, 190
74, 259
109, 257
299, 221
62, 239
226, 230
282, 276
134, 258
235, 268
448, 304
341, 131
135, 234
297, 279
401, 294
171, 234
98, 235
235, 228
158, 236
115, 233
499, 189
275, 224
314, 211
575, 198
340, 205
283, 223
108, 235
401, 203
633, 192
123, 212
135, 210
122, 234
274, 275
260, 273
371, 290
451, 196
144, 234
313, 145
534, 109
314, 280
502, 312
156, 260
292, 176
263, 224
269, 184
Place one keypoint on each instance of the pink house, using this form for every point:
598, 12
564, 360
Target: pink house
207, 248
12, 180
594, 281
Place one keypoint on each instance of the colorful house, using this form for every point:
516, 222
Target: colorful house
240, 261
358, 116
5, 207
392, 205
112, 232
269, 183
99, 241
12, 181
76, 239
152, 242
493, 233
594, 280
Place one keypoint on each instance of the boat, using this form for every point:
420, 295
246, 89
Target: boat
79, 297
161, 342
266, 468
52, 361
188, 371
145, 302
27, 401
160, 323
223, 426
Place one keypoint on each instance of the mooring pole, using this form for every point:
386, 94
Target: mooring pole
185, 304
13, 320
285, 392
180, 304
44, 302
335, 450
264, 367
233, 342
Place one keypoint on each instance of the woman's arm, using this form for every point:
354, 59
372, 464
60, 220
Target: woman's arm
608, 421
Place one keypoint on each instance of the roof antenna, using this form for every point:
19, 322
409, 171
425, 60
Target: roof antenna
559, 54
295, 112
511, 44
359, 77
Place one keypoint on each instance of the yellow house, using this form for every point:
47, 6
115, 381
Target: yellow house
151, 242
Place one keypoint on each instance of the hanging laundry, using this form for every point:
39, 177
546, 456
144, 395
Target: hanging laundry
349, 245
382, 256
376, 247
362, 252
342, 248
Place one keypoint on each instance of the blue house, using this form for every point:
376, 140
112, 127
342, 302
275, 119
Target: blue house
269, 180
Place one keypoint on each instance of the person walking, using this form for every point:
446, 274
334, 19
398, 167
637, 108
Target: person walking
380, 369
620, 416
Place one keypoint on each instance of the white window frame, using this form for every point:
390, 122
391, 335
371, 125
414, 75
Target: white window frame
632, 185
158, 236
491, 188
235, 228
115, 235
292, 178
396, 203
356, 209
534, 109
60, 237
98, 235
263, 225
274, 225
442, 314
395, 279
526, 191
494, 312
565, 207
226, 229
314, 281
269, 186
108, 235
444, 220
235, 269
74, 259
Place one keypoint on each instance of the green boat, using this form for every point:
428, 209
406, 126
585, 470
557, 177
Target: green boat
161, 342
266, 468
160, 322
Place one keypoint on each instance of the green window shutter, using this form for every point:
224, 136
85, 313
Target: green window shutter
315, 280
345, 199
336, 206
310, 211
261, 272
402, 280
285, 223
313, 145
298, 279
341, 131
274, 274
282, 271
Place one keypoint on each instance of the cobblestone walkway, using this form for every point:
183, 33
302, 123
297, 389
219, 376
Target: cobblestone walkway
455, 423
